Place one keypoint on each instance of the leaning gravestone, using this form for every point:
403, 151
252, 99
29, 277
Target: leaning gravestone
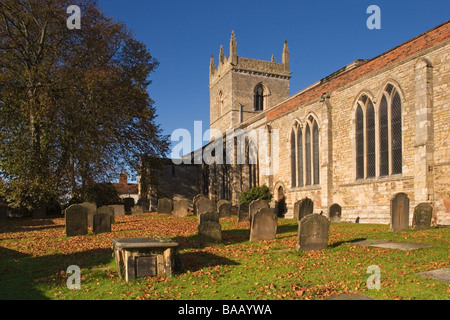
423, 213
302, 208
181, 208
255, 206
165, 206
76, 220
91, 210
335, 213
128, 204
204, 205
400, 213
102, 223
109, 211
264, 225
313, 232
224, 209
243, 212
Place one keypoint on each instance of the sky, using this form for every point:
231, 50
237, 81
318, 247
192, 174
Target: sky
323, 36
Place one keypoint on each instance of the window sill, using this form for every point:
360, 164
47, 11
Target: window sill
306, 188
395, 177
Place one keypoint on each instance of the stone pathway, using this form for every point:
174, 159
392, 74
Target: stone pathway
388, 244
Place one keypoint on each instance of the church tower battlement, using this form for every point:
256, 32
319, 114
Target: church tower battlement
241, 87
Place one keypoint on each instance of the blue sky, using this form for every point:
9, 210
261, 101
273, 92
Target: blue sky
323, 37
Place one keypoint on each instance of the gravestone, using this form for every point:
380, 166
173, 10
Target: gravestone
165, 206
128, 204
224, 210
335, 213
181, 208
208, 216
76, 220
137, 210
204, 205
302, 208
109, 211
400, 213
243, 212
234, 210
220, 202
423, 213
255, 206
313, 232
264, 225
195, 199
102, 223
209, 232
91, 211
119, 209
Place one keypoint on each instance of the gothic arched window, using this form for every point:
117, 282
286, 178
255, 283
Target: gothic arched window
259, 98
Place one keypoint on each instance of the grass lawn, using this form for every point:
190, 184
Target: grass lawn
35, 254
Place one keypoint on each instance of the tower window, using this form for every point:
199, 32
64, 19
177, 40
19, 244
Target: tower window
259, 98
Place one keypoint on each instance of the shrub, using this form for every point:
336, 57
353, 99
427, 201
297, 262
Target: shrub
256, 193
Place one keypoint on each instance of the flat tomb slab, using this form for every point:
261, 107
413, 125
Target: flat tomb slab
442, 275
144, 257
140, 243
388, 244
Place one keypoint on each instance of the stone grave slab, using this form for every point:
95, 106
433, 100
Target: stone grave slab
204, 205
442, 275
109, 211
264, 225
243, 211
91, 211
388, 244
165, 206
313, 232
224, 210
76, 221
181, 208
349, 296
400, 213
102, 223
255, 206
302, 208
423, 214
144, 257
209, 233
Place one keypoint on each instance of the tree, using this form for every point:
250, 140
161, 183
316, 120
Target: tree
74, 104
256, 193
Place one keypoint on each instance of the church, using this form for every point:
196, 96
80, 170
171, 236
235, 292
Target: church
355, 139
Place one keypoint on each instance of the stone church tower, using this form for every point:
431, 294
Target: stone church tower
240, 88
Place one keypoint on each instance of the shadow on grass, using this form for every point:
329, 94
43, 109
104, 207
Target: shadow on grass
20, 274
194, 261
287, 228
337, 244
12, 225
